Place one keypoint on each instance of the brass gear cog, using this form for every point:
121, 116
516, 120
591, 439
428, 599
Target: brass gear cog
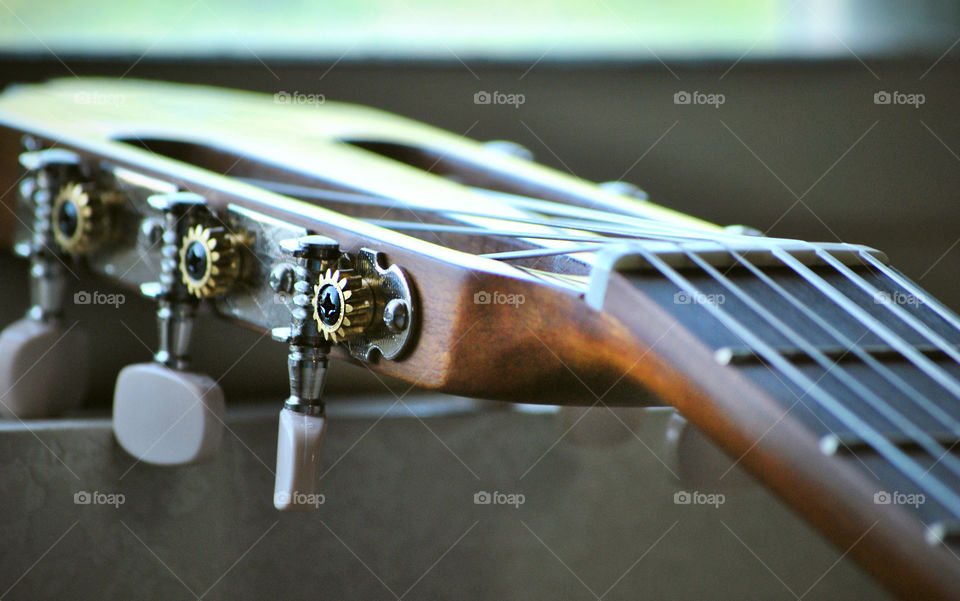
79, 219
209, 260
342, 305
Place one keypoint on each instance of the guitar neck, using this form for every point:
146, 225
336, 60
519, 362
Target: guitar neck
835, 383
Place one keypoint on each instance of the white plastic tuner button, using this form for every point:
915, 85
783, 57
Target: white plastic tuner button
167, 417
298, 460
43, 368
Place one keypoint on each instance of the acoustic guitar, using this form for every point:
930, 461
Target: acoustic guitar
353, 234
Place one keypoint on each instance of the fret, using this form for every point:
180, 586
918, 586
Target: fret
868, 359
896, 417
896, 309
943, 531
930, 368
904, 464
741, 355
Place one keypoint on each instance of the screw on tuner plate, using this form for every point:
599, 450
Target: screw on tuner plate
42, 360
163, 413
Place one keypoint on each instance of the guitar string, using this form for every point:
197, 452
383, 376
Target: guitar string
887, 411
521, 202
583, 217
894, 307
944, 495
486, 232
920, 400
541, 205
905, 283
542, 252
930, 368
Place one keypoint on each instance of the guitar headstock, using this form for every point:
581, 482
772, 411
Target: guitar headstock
343, 232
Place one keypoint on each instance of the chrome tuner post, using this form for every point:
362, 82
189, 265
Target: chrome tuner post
43, 361
162, 413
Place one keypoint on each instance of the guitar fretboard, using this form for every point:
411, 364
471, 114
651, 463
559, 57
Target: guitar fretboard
860, 355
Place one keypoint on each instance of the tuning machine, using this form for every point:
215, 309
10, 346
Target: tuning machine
337, 299
43, 361
162, 412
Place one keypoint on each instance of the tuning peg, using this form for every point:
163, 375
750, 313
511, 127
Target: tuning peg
302, 421
299, 441
163, 413
42, 362
43, 368
167, 417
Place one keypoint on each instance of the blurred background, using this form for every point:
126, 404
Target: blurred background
815, 119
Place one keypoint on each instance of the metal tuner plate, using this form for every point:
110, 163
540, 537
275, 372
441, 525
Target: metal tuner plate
394, 319
263, 297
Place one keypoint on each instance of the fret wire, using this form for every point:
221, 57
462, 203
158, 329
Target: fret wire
911, 320
932, 303
920, 400
928, 367
884, 447
887, 411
